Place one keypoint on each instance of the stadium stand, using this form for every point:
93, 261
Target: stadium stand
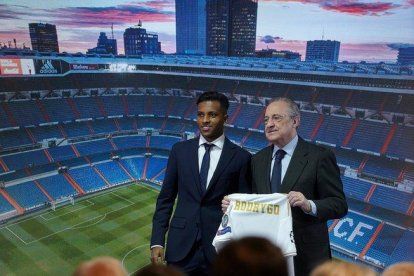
156, 167
5, 206
27, 194
112, 172
57, 186
134, 165
87, 179
58, 110
108, 130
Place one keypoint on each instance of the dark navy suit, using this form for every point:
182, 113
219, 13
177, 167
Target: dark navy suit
197, 215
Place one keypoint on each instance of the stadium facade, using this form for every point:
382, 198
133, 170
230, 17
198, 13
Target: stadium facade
72, 126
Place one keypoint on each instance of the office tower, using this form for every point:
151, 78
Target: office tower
243, 27
44, 37
190, 23
406, 55
105, 45
137, 41
322, 50
231, 27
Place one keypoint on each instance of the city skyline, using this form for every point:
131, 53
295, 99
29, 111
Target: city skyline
367, 30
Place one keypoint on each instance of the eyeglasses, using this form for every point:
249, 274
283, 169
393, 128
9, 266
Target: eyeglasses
275, 118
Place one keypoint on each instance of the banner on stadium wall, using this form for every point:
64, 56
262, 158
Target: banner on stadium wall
48, 66
15, 66
122, 67
83, 66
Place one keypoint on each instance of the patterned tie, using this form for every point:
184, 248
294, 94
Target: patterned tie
205, 165
277, 171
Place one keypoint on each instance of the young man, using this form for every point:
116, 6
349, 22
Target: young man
310, 177
200, 172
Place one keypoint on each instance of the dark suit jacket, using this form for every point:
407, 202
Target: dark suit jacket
196, 213
313, 172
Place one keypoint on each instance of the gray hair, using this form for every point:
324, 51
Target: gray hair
293, 107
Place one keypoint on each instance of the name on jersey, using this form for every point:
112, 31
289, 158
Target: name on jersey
255, 207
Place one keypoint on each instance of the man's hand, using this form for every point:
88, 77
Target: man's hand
297, 199
157, 255
225, 204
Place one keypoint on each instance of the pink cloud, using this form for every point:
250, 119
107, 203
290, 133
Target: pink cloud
160, 4
13, 12
85, 17
353, 7
356, 8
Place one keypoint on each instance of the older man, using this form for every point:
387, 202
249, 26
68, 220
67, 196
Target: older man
310, 177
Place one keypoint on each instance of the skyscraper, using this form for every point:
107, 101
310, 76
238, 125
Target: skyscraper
190, 26
322, 50
44, 37
137, 41
231, 27
243, 27
105, 45
218, 20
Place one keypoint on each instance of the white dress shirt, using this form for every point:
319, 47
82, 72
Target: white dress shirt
215, 153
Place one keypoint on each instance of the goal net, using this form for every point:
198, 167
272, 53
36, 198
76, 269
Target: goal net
62, 201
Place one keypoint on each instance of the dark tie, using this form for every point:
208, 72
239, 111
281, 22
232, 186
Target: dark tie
205, 164
277, 171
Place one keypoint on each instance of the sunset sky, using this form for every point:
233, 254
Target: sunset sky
367, 30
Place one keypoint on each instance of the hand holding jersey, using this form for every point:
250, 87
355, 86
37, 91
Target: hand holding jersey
262, 215
258, 215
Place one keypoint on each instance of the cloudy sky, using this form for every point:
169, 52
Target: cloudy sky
367, 30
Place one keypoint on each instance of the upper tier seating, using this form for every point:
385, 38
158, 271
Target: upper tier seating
369, 135
334, 129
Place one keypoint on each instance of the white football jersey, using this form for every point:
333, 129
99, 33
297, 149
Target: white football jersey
261, 215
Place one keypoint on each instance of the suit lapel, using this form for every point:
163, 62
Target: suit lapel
296, 166
193, 163
225, 158
264, 170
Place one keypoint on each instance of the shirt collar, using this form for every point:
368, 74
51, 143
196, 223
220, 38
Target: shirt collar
219, 142
289, 148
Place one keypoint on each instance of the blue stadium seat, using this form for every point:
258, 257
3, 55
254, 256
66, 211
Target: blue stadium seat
112, 172
87, 178
5, 206
57, 186
134, 166
27, 195
156, 166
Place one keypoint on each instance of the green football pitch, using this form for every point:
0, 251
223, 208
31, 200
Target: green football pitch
113, 223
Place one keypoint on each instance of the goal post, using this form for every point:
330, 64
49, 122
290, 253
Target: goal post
62, 201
